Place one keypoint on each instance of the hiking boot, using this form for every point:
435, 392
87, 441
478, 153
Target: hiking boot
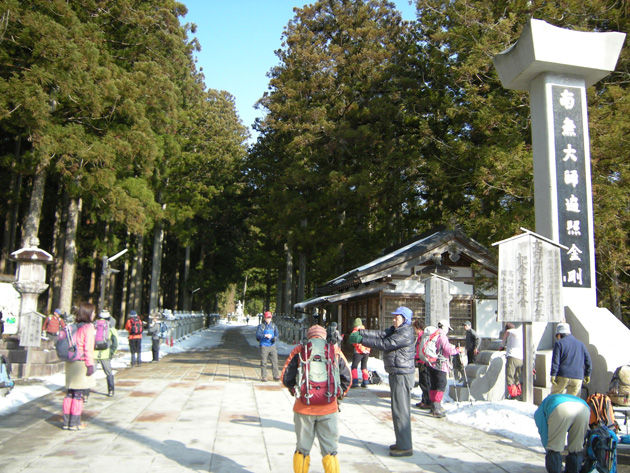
365, 383
393, 447
400, 453
110, 393
355, 383
437, 410
423, 405
78, 427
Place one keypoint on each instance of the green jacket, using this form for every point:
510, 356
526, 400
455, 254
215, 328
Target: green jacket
113, 344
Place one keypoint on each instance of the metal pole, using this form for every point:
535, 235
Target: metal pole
104, 275
528, 355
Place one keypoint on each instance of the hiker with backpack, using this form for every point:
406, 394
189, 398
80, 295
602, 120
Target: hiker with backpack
557, 416
52, 325
105, 345
79, 371
155, 330
134, 328
436, 351
317, 374
360, 355
398, 345
570, 362
267, 334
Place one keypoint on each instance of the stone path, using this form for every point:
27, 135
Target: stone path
208, 411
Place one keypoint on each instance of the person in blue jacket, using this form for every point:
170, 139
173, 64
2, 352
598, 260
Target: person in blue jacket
557, 416
267, 334
570, 362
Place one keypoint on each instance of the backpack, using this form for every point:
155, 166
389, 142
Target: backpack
318, 373
601, 411
163, 329
135, 328
332, 335
619, 387
375, 378
101, 338
5, 375
66, 345
428, 346
600, 450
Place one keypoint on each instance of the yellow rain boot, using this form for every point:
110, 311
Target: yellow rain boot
331, 464
301, 462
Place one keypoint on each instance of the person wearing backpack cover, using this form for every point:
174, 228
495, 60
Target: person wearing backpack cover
570, 362
361, 355
398, 345
557, 416
267, 334
79, 373
315, 419
106, 325
134, 328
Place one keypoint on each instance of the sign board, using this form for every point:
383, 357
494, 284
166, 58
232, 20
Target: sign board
30, 330
437, 297
571, 184
529, 280
10, 300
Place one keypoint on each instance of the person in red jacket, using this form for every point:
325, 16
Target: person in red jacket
53, 324
315, 419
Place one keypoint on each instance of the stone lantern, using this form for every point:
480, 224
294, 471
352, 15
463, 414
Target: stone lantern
30, 282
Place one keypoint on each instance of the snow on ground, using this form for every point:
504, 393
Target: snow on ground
511, 419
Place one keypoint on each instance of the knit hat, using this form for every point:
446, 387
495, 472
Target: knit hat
468, 323
444, 325
58, 312
406, 312
133, 313
316, 331
104, 314
563, 328
358, 322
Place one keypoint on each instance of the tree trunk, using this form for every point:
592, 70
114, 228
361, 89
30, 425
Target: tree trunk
156, 266
126, 280
301, 277
267, 303
279, 292
11, 219
288, 288
137, 268
57, 244
70, 255
186, 286
30, 227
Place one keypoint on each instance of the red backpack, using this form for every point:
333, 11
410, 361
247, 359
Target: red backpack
318, 373
135, 328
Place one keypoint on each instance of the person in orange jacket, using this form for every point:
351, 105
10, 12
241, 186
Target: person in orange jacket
312, 418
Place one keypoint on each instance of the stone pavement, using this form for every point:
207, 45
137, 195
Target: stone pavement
208, 411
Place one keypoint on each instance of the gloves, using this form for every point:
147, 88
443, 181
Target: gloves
292, 391
355, 337
90, 370
553, 380
587, 379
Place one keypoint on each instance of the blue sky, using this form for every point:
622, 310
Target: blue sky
238, 39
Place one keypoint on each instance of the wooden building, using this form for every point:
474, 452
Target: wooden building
372, 291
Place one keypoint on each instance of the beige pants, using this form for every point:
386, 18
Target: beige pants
567, 385
568, 418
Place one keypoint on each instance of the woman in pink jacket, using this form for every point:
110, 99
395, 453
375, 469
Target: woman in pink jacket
438, 372
79, 373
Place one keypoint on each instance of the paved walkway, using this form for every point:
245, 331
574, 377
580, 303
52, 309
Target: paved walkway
208, 411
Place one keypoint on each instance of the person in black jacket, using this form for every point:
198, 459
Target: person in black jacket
398, 345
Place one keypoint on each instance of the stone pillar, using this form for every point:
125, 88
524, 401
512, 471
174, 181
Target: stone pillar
556, 66
30, 282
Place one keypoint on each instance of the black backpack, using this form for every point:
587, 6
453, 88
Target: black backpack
600, 450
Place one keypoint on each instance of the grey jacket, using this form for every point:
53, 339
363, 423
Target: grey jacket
398, 346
